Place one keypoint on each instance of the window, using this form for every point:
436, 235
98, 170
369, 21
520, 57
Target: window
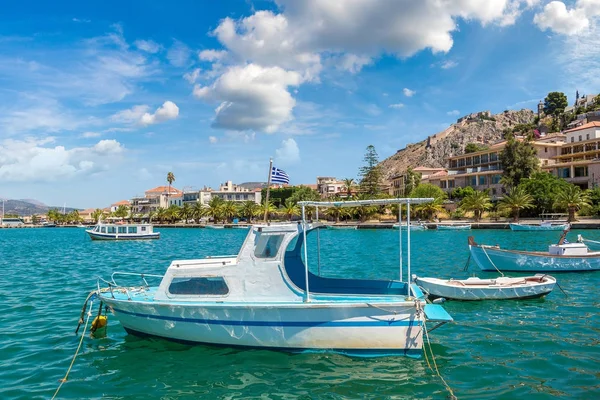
580, 172
476, 160
203, 286
267, 245
545, 149
564, 172
450, 184
580, 138
143, 229
482, 180
133, 229
111, 229
122, 229
494, 157
103, 230
473, 181
484, 158
496, 179
572, 139
493, 192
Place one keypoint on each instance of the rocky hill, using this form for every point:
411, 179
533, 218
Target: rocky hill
28, 207
482, 127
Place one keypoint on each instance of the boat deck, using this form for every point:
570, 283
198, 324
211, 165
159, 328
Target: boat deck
146, 295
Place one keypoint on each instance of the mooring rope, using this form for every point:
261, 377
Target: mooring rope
437, 371
467, 264
491, 262
63, 380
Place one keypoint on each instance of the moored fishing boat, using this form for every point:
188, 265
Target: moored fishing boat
561, 257
342, 227
413, 227
266, 297
543, 226
453, 227
208, 226
501, 288
122, 231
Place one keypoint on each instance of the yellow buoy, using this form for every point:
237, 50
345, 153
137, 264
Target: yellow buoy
99, 326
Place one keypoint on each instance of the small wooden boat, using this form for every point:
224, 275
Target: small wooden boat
501, 288
118, 231
543, 226
561, 257
453, 227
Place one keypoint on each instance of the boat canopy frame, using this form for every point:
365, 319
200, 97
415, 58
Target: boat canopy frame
359, 203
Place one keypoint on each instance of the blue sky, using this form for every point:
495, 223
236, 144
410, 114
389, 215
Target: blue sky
101, 101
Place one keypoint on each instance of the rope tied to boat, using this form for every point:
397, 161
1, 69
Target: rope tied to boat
63, 380
490, 260
434, 362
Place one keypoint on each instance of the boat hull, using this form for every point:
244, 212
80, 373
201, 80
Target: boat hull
520, 227
355, 330
122, 236
522, 288
412, 227
495, 259
454, 227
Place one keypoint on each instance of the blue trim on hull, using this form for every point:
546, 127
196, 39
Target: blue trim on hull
277, 324
95, 236
412, 353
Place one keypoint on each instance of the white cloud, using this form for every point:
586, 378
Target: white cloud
251, 97
559, 19
88, 135
453, 112
130, 116
144, 175
148, 46
448, 64
303, 36
193, 76
288, 153
213, 139
408, 93
212, 55
179, 54
139, 114
36, 160
108, 146
396, 106
167, 111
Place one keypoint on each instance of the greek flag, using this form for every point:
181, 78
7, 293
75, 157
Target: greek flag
279, 176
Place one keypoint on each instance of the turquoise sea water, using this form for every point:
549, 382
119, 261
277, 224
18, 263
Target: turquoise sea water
535, 349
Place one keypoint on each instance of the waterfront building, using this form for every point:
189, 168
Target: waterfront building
114, 206
197, 196
231, 192
153, 199
176, 200
397, 187
328, 186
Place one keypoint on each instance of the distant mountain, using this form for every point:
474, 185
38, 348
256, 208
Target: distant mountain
29, 207
481, 127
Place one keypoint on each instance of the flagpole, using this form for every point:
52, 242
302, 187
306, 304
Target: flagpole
268, 189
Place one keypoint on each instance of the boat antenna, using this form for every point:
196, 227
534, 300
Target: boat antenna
408, 244
564, 235
400, 236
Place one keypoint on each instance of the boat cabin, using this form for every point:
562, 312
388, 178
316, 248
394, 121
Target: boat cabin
269, 267
568, 249
116, 228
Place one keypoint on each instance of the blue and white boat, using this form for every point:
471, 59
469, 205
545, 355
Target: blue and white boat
118, 231
266, 297
413, 227
453, 227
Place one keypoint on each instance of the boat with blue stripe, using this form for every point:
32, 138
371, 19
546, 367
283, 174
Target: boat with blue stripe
122, 231
266, 297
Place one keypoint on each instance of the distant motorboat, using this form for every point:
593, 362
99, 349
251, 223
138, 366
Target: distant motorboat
543, 226
413, 227
342, 227
501, 288
453, 227
117, 231
214, 226
47, 224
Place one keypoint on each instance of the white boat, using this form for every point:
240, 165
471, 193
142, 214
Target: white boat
561, 257
543, 226
214, 226
453, 227
117, 231
265, 297
501, 288
413, 227
342, 227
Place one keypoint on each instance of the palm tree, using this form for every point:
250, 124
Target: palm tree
151, 214
290, 209
198, 211
161, 214
229, 210
96, 215
173, 213
270, 208
431, 208
249, 209
170, 179
348, 183
572, 199
338, 212
215, 208
121, 211
477, 202
515, 200
186, 212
